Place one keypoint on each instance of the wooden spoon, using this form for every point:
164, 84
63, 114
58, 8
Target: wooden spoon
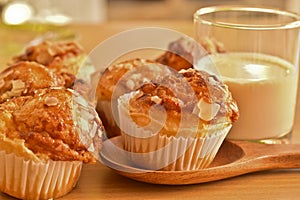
233, 159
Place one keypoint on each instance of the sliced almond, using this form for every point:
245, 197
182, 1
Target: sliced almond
207, 111
136, 76
138, 62
18, 84
130, 84
2, 82
128, 66
156, 99
51, 101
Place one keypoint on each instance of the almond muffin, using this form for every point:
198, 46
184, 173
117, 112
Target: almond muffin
119, 79
67, 59
44, 139
178, 123
182, 53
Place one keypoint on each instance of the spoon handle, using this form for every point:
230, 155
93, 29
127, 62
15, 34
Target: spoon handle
259, 157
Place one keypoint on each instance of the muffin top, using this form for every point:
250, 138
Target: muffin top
182, 52
62, 57
187, 99
128, 76
54, 123
24, 78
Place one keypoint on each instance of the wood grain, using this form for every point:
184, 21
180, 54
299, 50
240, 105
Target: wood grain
233, 159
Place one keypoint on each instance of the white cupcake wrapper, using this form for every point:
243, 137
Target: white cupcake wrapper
159, 152
30, 180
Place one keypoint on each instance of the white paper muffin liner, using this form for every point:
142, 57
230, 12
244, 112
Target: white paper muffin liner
30, 180
160, 152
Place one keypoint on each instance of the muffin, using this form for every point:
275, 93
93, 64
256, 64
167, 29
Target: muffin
182, 53
44, 140
24, 78
176, 124
67, 59
119, 79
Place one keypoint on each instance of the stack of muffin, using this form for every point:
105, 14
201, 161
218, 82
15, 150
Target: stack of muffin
170, 116
47, 129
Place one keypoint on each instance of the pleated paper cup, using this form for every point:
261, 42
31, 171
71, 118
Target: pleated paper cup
31, 180
153, 151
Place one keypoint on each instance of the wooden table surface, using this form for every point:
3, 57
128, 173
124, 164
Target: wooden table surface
99, 182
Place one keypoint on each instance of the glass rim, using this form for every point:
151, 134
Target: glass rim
294, 23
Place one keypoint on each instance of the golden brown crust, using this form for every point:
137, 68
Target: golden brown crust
41, 119
181, 52
179, 55
127, 76
119, 79
187, 93
63, 58
209, 88
51, 128
53, 55
24, 78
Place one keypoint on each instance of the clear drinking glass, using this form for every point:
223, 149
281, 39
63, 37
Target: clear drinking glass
260, 66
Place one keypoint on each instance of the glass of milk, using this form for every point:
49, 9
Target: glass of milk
260, 66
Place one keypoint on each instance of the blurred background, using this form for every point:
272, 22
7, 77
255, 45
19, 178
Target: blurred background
24, 22
181, 9
99, 11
